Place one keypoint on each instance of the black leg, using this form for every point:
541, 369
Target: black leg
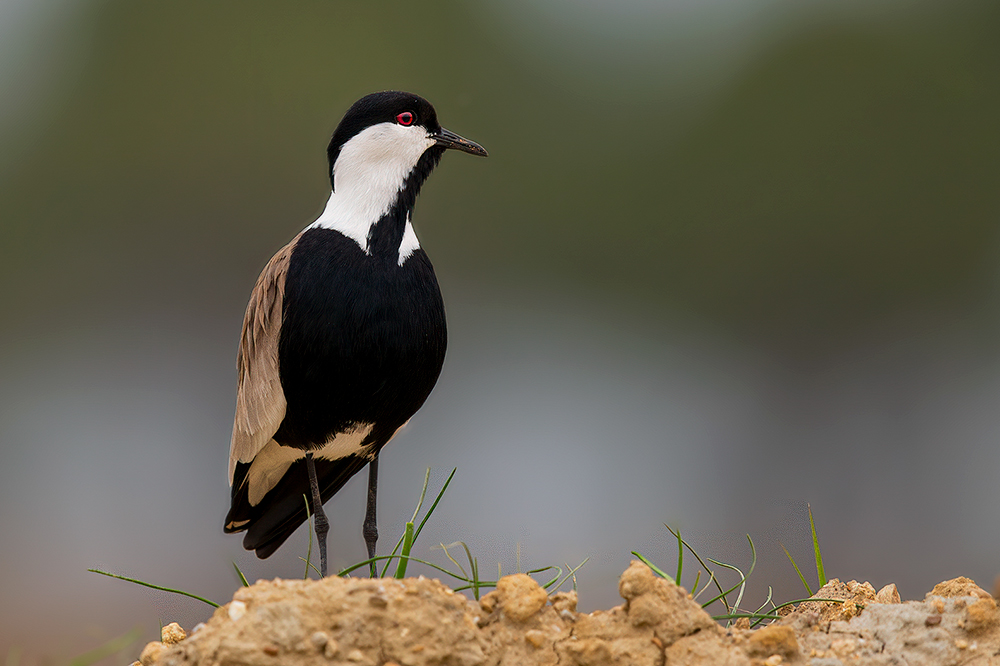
320, 522
370, 528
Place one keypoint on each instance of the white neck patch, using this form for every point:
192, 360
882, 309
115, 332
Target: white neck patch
409, 244
368, 176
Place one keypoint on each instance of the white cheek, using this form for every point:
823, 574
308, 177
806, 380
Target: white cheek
369, 173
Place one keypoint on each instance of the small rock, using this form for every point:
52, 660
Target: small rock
330, 649
319, 639
864, 589
535, 637
888, 595
773, 639
564, 601
637, 580
355, 656
489, 602
237, 609
932, 620
520, 596
271, 650
151, 652
774, 660
172, 633
959, 587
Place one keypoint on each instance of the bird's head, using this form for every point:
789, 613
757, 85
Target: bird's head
390, 139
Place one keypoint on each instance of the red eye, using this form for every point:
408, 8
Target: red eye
405, 118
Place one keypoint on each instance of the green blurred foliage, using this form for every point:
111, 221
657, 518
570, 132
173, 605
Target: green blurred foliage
847, 172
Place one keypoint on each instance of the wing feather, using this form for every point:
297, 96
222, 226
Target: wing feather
260, 401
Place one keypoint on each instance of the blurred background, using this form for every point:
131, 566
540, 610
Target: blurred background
726, 258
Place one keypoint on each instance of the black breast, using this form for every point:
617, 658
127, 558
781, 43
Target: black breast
362, 339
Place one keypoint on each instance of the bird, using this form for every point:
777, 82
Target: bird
344, 335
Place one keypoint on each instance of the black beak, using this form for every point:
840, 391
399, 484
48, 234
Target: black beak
449, 139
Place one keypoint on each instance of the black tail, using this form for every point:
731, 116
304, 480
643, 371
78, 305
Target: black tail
280, 512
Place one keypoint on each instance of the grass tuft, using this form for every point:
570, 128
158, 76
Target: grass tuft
732, 609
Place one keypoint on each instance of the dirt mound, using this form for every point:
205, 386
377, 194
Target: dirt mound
421, 622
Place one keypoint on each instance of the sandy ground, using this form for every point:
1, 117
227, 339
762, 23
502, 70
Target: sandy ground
421, 622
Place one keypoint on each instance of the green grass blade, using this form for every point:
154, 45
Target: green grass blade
423, 493
820, 571
435, 503
309, 550
712, 577
708, 583
797, 570
723, 595
453, 560
407, 546
315, 568
571, 574
156, 587
752, 616
243, 579
465, 579
475, 578
474, 567
555, 578
680, 557
767, 601
395, 549
113, 646
799, 601
656, 570
753, 556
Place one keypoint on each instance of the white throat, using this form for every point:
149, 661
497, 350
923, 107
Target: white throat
368, 176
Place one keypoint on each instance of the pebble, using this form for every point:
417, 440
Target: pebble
237, 609
172, 633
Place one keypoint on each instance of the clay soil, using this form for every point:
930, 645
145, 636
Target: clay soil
421, 622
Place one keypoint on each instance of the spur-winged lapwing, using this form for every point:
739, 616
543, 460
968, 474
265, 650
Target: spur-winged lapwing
344, 335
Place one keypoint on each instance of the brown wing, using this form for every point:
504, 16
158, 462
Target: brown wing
260, 402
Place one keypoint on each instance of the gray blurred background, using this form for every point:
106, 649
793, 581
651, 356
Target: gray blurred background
726, 257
